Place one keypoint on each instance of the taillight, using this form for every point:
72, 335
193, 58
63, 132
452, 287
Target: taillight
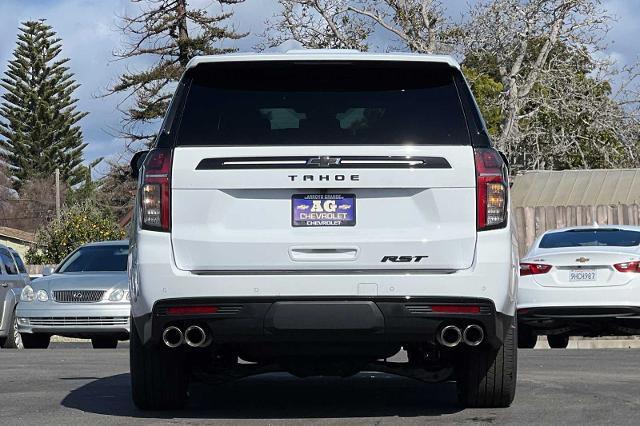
628, 266
155, 196
533, 269
491, 188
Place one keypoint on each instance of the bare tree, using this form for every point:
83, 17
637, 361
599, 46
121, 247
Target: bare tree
538, 68
419, 25
416, 25
33, 207
316, 24
550, 44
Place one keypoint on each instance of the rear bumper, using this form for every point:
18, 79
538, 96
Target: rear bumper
324, 319
579, 311
533, 295
582, 320
154, 277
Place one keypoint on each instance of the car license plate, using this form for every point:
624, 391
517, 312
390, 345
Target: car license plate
323, 210
583, 275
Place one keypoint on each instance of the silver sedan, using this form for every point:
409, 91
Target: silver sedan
86, 296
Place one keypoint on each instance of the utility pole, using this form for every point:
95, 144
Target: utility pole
57, 193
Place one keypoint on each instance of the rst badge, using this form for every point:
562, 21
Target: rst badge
323, 210
403, 259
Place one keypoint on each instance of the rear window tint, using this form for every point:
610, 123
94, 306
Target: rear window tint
322, 104
590, 237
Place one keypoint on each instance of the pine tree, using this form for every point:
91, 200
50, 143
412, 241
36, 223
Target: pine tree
39, 129
172, 32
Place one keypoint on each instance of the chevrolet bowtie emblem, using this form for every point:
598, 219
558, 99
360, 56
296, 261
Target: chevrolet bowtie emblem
582, 259
323, 161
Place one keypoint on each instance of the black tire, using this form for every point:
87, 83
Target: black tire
104, 342
527, 339
159, 379
35, 340
558, 341
13, 339
487, 378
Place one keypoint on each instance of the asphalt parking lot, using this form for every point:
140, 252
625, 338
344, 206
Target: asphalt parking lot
74, 384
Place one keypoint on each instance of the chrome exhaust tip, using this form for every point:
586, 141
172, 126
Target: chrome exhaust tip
450, 336
473, 335
196, 337
172, 336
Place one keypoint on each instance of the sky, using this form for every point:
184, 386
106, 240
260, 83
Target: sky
88, 29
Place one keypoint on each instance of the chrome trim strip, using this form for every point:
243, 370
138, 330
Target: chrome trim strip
323, 162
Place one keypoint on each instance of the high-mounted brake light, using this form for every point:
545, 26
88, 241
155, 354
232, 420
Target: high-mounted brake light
155, 198
491, 188
628, 266
533, 269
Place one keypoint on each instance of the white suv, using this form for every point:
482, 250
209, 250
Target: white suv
316, 212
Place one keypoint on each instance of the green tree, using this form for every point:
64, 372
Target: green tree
39, 129
79, 224
169, 33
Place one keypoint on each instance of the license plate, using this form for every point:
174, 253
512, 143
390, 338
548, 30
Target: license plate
323, 210
583, 275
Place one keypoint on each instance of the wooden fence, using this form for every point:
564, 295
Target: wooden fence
531, 222
36, 269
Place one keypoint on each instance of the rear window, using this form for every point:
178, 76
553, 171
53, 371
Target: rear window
590, 237
287, 103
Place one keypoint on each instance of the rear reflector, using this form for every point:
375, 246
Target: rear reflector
191, 310
533, 269
628, 266
455, 309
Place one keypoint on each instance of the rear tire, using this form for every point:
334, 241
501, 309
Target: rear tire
104, 342
159, 379
487, 378
13, 339
35, 340
527, 339
558, 341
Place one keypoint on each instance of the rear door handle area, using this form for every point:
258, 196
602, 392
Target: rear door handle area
323, 254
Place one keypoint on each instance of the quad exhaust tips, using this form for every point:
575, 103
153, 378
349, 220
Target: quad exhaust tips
172, 337
451, 336
194, 336
473, 335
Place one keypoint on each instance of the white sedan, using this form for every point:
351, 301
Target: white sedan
580, 281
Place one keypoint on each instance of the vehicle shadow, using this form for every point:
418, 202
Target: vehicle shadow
281, 396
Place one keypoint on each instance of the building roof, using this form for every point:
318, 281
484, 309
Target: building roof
321, 55
17, 234
576, 188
